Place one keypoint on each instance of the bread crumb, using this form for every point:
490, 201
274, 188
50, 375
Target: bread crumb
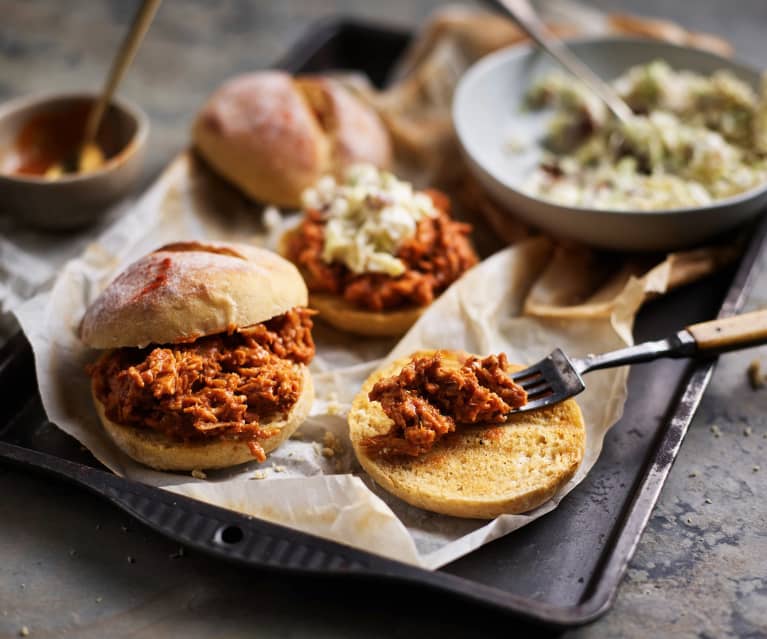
715, 430
198, 474
328, 452
693, 473
333, 406
755, 468
24, 632
754, 372
708, 501
332, 442
259, 474
278, 469
747, 431
329, 438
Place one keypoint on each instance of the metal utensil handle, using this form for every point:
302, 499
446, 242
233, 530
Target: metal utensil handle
680, 345
705, 338
731, 333
525, 16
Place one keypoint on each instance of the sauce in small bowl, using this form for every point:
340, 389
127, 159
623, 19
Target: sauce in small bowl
39, 133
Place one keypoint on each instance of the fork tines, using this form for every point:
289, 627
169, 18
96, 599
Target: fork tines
551, 380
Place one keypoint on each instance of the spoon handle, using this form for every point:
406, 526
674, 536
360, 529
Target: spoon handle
121, 62
525, 16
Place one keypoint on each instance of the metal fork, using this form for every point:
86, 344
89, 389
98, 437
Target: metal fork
558, 377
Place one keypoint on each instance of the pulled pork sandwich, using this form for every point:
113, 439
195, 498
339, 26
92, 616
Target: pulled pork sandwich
206, 354
374, 252
434, 429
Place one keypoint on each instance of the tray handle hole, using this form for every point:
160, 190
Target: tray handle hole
229, 535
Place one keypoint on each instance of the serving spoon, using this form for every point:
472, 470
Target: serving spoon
522, 12
87, 156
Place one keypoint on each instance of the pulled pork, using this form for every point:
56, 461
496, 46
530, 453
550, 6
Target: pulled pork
438, 254
427, 399
220, 386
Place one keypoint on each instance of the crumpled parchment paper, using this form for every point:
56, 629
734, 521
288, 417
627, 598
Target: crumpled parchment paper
524, 300
313, 482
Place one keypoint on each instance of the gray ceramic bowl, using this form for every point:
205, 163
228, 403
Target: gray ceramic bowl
487, 111
74, 200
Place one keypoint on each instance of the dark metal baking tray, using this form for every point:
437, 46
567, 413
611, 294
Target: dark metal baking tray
562, 570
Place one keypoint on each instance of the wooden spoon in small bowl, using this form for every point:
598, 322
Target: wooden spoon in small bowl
88, 156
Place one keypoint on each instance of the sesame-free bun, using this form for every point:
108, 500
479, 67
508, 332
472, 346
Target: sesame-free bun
477, 471
337, 312
186, 290
273, 135
152, 448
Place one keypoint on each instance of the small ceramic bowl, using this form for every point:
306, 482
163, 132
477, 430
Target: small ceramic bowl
77, 199
487, 112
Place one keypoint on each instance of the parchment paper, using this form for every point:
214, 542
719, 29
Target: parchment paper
312, 482
524, 300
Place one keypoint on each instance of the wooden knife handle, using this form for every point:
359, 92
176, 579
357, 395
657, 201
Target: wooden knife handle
731, 333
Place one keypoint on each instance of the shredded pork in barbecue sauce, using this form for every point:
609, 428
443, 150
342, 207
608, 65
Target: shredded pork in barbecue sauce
220, 386
428, 399
434, 258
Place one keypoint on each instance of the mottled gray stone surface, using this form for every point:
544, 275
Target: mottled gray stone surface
700, 569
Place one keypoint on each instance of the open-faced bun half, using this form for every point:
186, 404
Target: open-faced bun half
336, 311
273, 135
177, 294
186, 290
477, 471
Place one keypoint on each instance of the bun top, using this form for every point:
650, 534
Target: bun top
273, 135
185, 290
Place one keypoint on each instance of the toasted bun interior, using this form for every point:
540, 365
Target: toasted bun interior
187, 290
154, 449
477, 471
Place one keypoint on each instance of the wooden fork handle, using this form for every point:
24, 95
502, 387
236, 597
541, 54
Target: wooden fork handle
731, 333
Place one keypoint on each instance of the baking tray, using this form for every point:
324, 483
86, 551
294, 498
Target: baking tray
562, 570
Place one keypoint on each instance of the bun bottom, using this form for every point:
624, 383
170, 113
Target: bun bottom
156, 450
476, 472
337, 312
